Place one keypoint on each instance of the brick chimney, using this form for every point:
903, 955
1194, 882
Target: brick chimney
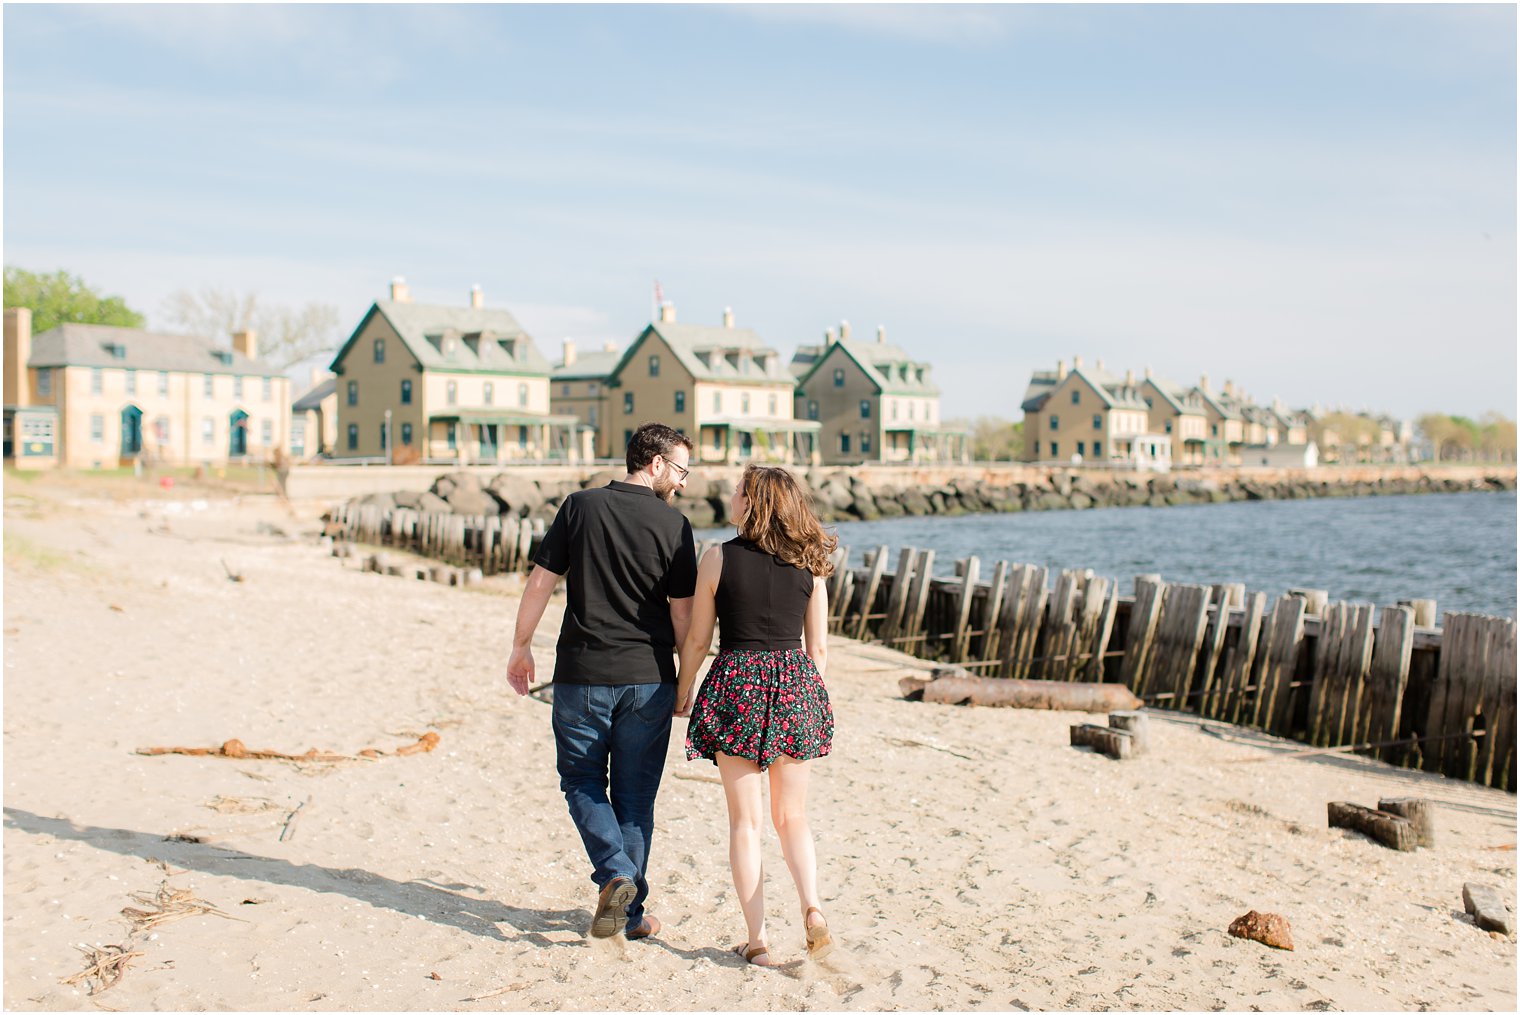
477, 298
246, 342
1203, 381
1060, 370
609, 347
881, 334
18, 350
1129, 378
1229, 387
569, 353
1148, 374
399, 292
828, 336
667, 312
844, 329
728, 317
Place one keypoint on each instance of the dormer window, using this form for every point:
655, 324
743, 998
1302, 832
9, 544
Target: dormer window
508, 347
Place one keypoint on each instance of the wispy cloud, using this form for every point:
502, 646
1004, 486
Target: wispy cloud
955, 24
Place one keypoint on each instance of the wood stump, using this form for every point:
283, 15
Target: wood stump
1419, 813
1389, 829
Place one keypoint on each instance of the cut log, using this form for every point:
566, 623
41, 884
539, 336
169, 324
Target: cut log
1136, 725
1116, 743
1487, 907
1419, 813
1389, 829
1070, 696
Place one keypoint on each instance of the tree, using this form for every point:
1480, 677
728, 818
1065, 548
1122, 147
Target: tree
61, 298
285, 335
994, 439
1458, 438
1496, 437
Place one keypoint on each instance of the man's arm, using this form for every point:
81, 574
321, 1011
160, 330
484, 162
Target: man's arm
530, 611
680, 618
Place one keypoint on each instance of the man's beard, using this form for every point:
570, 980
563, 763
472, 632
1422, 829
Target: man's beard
665, 490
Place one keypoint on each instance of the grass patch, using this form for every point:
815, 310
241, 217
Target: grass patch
20, 550
15, 475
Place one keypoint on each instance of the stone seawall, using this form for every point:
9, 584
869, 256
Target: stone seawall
873, 492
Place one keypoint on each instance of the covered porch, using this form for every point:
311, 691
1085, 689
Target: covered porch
475, 438
925, 443
736, 441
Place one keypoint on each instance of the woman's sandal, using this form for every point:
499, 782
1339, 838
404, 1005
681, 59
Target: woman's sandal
819, 941
751, 954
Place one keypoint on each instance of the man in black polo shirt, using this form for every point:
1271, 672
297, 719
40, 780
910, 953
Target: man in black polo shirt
630, 572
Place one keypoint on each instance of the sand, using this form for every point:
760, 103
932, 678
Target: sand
968, 858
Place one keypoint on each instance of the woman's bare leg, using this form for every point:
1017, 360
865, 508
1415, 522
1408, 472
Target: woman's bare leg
742, 788
789, 786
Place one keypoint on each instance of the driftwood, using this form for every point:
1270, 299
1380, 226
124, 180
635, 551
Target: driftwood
236, 749
1420, 813
1067, 696
1389, 829
107, 965
1116, 743
1137, 725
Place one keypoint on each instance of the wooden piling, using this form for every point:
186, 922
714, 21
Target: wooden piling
1282, 637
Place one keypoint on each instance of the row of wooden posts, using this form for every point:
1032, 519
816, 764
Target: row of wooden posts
1330, 674
1335, 675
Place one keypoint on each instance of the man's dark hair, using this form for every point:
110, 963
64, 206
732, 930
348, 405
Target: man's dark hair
653, 439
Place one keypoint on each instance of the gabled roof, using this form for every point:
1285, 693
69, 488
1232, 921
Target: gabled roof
713, 353
1222, 405
1174, 394
313, 398
889, 367
588, 366
803, 360
91, 345
1259, 414
457, 339
1041, 384
1116, 392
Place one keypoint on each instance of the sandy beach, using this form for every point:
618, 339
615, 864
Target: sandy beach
969, 858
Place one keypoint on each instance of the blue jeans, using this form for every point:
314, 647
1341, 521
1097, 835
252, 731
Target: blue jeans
624, 728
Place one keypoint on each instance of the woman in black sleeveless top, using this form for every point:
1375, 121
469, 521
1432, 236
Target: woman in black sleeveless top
763, 713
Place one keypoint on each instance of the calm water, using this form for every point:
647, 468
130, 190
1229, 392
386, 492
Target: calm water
1456, 548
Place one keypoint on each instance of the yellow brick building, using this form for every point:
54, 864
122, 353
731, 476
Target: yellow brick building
122, 395
722, 386
455, 384
873, 402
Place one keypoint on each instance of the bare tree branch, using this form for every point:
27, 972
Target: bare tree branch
286, 335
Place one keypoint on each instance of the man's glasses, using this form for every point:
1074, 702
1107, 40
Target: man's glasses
684, 471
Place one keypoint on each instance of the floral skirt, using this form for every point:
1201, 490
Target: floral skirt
761, 705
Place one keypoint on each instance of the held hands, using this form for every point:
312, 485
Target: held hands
683, 703
520, 669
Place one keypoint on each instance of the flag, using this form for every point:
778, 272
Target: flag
659, 294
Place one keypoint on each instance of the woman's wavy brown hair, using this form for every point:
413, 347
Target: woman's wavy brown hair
780, 520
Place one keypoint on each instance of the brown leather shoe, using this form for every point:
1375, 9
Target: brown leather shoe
612, 907
648, 928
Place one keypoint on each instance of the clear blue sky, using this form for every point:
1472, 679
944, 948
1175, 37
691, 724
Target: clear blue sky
1317, 202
